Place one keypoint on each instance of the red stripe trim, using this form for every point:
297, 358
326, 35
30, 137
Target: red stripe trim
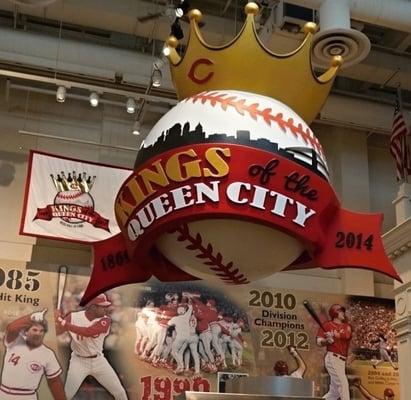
58, 372
17, 391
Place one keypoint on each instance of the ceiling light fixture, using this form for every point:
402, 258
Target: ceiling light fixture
61, 94
166, 50
94, 99
182, 8
131, 105
156, 78
136, 128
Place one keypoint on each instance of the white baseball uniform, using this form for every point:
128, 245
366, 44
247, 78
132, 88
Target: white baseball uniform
335, 359
87, 358
23, 369
192, 348
384, 349
296, 374
182, 328
153, 329
236, 345
225, 338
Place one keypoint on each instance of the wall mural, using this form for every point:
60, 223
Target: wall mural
154, 340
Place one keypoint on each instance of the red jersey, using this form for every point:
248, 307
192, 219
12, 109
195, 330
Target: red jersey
204, 315
341, 344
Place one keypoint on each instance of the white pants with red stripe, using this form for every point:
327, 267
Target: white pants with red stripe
339, 388
100, 369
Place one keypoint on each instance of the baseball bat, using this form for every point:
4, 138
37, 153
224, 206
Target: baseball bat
308, 306
62, 283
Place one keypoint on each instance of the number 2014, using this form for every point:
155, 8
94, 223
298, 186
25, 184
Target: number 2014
352, 240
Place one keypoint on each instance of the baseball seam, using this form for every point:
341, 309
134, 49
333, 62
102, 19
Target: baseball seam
226, 272
69, 196
216, 98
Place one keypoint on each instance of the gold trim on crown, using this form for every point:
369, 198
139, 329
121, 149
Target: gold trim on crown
246, 64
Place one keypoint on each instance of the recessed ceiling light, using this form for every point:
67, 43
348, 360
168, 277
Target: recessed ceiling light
94, 99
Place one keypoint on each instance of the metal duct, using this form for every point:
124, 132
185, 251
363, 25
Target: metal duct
394, 14
34, 3
77, 57
336, 36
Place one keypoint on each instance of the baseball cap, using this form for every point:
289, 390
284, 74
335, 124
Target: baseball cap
100, 300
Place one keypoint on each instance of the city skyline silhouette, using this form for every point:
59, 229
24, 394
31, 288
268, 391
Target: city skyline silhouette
178, 136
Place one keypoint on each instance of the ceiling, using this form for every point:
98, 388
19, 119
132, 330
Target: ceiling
113, 28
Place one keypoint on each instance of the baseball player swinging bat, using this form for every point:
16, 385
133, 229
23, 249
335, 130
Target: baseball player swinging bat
62, 283
308, 306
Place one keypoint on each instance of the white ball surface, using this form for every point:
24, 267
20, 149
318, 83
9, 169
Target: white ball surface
246, 112
257, 251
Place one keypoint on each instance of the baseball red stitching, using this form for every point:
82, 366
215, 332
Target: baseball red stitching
215, 98
68, 196
226, 272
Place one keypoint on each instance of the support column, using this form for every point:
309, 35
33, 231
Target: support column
398, 246
403, 203
347, 154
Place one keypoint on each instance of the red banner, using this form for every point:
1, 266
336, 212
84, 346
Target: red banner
86, 214
231, 181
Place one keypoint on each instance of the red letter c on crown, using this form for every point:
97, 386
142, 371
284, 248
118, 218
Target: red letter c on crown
192, 73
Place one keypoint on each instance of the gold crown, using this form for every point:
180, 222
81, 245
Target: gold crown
73, 181
246, 64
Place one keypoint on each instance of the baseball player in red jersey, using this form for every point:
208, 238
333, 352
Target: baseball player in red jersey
204, 316
88, 329
388, 392
27, 359
336, 337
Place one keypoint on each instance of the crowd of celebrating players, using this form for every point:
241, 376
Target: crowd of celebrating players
188, 334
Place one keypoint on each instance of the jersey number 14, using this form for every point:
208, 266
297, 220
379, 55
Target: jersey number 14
14, 359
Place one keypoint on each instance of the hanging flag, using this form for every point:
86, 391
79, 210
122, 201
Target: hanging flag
70, 199
399, 147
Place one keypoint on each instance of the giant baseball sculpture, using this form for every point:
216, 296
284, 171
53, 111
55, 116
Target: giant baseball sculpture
231, 184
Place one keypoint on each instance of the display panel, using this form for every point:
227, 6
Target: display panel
156, 340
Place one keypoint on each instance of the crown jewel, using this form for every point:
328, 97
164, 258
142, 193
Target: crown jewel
246, 64
72, 181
